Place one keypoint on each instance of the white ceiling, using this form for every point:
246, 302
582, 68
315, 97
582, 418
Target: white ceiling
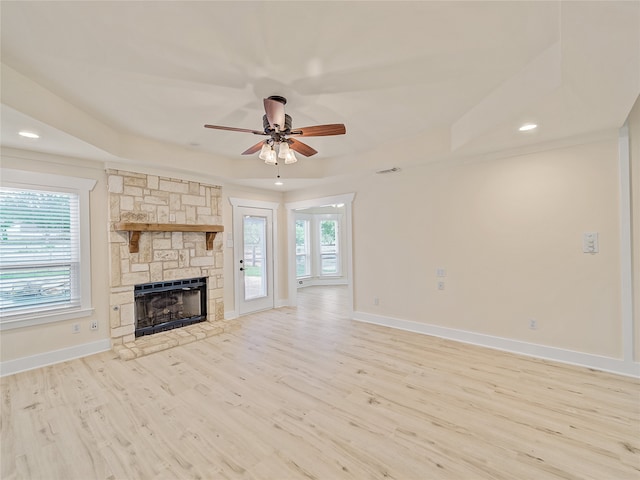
443, 79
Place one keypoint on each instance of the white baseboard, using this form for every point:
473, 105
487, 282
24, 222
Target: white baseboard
281, 303
10, 367
313, 282
597, 362
232, 314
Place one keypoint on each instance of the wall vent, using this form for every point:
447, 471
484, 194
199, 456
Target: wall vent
389, 170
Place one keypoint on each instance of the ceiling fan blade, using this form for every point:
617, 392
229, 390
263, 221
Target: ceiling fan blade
275, 113
253, 149
301, 148
320, 130
234, 129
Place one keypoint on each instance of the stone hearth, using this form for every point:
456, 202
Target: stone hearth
172, 338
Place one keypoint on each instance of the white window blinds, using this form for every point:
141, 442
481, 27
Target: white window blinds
39, 250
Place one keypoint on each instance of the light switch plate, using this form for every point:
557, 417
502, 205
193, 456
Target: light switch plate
590, 242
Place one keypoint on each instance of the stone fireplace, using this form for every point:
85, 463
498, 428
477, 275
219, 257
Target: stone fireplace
156, 257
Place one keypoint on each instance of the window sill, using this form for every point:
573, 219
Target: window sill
41, 318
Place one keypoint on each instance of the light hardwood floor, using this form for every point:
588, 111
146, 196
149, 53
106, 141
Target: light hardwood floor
307, 393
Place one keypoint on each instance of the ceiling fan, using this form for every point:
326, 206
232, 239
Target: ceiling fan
277, 126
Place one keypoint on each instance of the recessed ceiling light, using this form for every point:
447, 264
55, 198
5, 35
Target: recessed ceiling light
528, 126
27, 134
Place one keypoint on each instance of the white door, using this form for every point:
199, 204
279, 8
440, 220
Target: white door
255, 259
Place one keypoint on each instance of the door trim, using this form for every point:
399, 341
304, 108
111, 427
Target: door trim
237, 229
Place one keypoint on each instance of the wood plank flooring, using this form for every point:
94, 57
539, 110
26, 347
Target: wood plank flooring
307, 393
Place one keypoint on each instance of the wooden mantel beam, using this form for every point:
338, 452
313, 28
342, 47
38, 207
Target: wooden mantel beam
136, 228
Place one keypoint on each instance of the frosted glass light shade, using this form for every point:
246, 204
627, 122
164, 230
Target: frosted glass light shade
284, 150
271, 157
290, 158
264, 151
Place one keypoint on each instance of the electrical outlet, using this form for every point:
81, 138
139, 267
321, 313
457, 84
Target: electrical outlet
440, 285
75, 328
533, 324
376, 301
93, 325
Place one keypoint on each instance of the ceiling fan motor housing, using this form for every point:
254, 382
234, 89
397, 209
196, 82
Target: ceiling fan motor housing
267, 127
278, 98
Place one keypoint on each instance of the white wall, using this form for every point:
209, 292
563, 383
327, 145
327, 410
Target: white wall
634, 148
508, 233
40, 341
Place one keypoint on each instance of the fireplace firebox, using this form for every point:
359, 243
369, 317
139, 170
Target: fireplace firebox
163, 306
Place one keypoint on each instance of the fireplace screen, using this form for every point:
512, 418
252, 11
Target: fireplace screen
166, 305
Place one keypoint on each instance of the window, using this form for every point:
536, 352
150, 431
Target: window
329, 256
329, 253
318, 254
43, 240
303, 264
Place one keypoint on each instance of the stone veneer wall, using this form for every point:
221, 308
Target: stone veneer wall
135, 197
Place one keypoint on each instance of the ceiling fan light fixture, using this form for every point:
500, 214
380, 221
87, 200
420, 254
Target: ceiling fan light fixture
264, 151
283, 150
271, 157
279, 126
290, 158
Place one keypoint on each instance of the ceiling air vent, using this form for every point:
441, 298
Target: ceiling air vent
389, 170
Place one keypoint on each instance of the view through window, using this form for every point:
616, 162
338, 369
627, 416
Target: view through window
303, 264
39, 250
329, 247
318, 249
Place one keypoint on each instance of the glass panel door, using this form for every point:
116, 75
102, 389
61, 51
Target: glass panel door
255, 259
255, 269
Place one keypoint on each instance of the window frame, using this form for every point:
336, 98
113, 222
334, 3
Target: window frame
335, 218
307, 246
25, 180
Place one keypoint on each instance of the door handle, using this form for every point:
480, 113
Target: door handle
241, 269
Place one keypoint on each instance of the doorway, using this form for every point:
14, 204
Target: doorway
332, 262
